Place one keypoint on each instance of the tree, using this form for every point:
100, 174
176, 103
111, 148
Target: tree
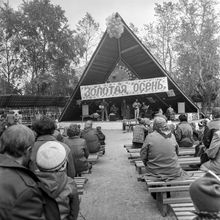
89, 30
47, 43
11, 69
160, 36
198, 56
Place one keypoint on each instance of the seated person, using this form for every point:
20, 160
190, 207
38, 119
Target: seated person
184, 132
78, 149
91, 137
140, 132
159, 152
101, 137
51, 160
213, 153
205, 194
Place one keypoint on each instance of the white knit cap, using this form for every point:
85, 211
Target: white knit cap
51, 156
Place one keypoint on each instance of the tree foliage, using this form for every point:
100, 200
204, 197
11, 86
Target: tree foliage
89, 30
185, 39
45, 47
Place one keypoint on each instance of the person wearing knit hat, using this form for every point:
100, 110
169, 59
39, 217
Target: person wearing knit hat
51, 156
51, 160
205, 194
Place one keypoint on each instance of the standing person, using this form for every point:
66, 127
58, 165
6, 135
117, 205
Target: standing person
159, 152
170, 113
123, 109
144, 109
104, 109
44, 128
78, 148
51, 160
91, 137
22, 196
140, 132
184, 132
136, 106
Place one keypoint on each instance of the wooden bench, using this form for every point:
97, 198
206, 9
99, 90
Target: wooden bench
183, 211
80, 183
183, 161
93, 158
163, 190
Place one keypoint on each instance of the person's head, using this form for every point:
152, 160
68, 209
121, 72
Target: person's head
193, 125
136, 100
216, 112
160, 124
73, 130
182, 117
88, 124
16, 141
44, 126
205, 194
124, 101
51, 157
98, 128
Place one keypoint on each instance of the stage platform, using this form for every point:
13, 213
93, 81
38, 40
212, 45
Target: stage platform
106, 125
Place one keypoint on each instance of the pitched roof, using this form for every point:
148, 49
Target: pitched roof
130, 50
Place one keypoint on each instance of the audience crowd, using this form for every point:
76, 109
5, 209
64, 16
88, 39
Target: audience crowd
38, 164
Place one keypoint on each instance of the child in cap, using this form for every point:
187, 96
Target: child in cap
205, 194
51, 160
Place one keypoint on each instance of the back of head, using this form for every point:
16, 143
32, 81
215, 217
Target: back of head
44, 126
205, 194
182, 117
73, 130
16, 139
216, 112
160, 124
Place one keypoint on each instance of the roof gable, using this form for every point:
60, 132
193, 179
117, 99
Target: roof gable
129, 50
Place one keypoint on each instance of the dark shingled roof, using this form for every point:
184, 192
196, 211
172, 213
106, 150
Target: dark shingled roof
138, 59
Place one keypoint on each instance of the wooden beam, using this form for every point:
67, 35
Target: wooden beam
145, 63
129, 67
130, 48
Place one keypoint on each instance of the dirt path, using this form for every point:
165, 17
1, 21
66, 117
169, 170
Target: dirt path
112, 192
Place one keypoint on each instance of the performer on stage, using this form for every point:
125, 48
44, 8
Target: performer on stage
123, 109
136, 106
104, 110
144, 109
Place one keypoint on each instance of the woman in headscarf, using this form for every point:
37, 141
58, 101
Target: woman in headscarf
213, 153
159, 152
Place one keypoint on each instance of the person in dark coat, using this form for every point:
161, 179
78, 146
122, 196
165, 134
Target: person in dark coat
159, 153
44, 128
184, 132
91, 137
205, 194
78, 148
211, 127
22, 196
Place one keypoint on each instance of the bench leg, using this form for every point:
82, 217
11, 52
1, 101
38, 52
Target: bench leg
162, 207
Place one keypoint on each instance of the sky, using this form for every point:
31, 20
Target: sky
138, 12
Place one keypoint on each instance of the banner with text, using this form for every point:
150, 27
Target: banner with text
124, 88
